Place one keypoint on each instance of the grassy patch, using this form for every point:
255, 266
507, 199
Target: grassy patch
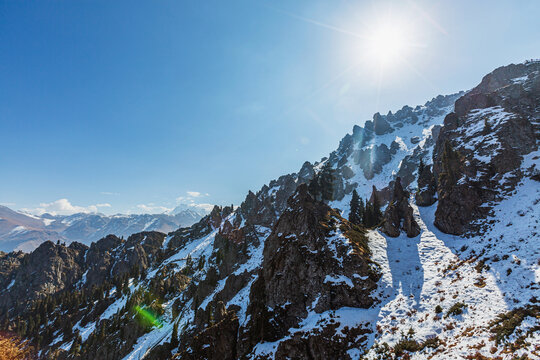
506, 323
456, 309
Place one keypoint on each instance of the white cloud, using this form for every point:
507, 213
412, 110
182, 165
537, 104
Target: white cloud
205, 207
64, 207
189, 201
109, 193
152, 209
8, 204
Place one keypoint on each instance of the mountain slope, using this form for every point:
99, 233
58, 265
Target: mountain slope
20, 231
285, 275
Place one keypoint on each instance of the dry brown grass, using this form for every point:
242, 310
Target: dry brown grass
12, 348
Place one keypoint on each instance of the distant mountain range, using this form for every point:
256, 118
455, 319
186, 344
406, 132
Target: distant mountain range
21, 231
417, 238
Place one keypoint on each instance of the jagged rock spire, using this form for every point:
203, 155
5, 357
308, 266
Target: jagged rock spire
399, 214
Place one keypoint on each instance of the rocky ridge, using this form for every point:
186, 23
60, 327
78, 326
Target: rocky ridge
286, 275
25, 232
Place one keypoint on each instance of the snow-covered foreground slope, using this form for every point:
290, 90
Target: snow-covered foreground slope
419, 274
490, 274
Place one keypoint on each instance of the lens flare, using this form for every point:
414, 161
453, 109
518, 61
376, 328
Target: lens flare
148, 316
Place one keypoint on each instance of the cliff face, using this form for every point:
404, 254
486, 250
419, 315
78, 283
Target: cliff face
285, 275
314, 262
480, 150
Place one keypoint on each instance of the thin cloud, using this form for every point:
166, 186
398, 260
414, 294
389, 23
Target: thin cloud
153, 209
205, 207
189, 201
64, 207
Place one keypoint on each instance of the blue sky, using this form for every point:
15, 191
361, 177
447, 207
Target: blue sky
133, 104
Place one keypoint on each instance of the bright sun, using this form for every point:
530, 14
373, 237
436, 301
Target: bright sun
388, 42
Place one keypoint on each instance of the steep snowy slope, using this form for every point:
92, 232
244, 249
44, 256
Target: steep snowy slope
285, 275
490, 275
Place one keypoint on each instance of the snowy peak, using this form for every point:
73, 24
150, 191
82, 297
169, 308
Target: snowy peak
286, 275
19, 231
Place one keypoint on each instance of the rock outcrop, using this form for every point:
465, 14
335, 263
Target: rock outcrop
427, 187
48, 269
380, 125
285, 275
399, 214
314, 261
479, 152
218, 339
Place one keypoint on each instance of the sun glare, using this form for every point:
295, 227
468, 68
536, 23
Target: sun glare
388, 41
386, 44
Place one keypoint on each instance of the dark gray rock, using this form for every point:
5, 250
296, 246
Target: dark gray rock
399, 214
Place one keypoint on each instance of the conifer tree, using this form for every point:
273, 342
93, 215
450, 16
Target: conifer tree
421, 167
313, 188
361, 210
174, 336
355, 215
76, 346
368, 215
326, 181
377, 213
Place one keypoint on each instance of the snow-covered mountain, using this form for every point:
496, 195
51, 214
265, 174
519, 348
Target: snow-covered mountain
450, 270
25, 232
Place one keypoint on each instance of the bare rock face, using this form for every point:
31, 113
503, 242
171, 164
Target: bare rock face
309, 264
380, 125
399, 214
48, 269
218, 340
112, 256
479, 152
261, 208
427, 187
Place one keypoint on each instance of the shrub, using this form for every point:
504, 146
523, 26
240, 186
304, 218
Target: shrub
506, 323
456, 309
438, 309
406, 345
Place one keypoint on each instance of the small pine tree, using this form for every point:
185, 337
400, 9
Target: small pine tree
377, 213
421, 168
326, 181
68, 329
200, 265
314, 188
76, 346
361, 210
355, 215
367, 220
174, 336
